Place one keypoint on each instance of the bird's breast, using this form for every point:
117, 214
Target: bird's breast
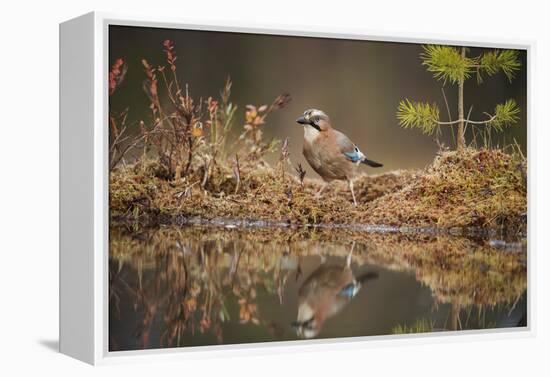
326, 159
310, 134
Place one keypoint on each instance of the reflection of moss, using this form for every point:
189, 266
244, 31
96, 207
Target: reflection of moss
419, 326
485, 188
196, 278
456, 269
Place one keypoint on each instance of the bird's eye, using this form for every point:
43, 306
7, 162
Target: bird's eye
356, 149
308, 324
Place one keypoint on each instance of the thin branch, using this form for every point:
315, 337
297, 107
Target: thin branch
493, 117
446, 104
114, 160
237, 173
467, 120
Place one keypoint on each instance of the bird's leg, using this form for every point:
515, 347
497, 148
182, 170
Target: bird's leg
350, 183
350, 255
318, 194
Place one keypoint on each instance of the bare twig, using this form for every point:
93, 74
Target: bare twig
446, 104
284, 157
206, 169
237, 173
301, 174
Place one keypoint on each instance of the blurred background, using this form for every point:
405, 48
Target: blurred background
357, 83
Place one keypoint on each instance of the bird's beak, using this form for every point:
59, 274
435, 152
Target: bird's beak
302, 120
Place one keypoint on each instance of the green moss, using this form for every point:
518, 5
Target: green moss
474, 188
420, 326
485, 188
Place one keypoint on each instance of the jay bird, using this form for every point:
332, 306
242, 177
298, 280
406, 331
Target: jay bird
324, 294
329, 152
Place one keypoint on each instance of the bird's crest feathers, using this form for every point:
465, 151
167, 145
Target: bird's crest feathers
312, 113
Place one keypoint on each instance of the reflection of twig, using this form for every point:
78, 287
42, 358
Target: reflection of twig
113, 295
235, 266
468, 317
299, 269
514, 305
350, 255
183, 291
281, 286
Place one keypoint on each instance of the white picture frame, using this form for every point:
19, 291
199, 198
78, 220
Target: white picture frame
84, 181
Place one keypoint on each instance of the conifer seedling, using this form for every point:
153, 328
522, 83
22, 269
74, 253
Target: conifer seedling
452, 65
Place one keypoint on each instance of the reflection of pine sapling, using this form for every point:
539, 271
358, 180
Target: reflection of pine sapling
451, 64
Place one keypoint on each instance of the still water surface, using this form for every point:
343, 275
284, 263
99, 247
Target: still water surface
175, 287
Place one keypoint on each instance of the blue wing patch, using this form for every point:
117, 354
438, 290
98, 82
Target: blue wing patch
349, 290
354, 155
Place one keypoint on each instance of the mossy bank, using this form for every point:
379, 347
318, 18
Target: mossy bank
483, 189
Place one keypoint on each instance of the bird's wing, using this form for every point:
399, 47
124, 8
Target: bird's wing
350, 290
348, 149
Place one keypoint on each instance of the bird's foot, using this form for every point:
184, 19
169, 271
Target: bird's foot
319, 194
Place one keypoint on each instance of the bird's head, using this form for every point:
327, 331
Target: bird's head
307, 325
316, 119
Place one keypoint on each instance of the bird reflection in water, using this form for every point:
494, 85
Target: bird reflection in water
324, 294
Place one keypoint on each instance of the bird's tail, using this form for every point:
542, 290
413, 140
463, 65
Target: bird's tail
366, 277
351, 289
371, 163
